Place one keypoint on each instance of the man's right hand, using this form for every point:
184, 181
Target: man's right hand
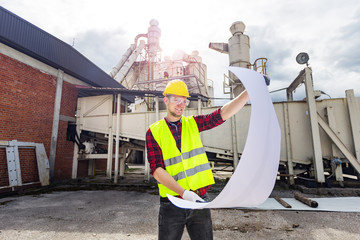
191, 196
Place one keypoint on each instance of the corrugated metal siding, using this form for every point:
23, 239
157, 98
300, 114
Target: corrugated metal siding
35, 42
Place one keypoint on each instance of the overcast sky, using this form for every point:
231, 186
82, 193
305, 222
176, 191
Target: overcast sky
328, 30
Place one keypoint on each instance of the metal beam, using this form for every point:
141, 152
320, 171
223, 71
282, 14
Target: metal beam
147, 165
339, 143
234, 137
106, 98
335, 151
354, 120
290, 165
166, 79
298, 80
13, 164
76, 147
67, 118
317, 155
116, 173
110, 142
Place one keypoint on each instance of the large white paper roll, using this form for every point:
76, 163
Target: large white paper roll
255, 175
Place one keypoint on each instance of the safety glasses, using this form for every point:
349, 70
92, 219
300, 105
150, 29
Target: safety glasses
179, 100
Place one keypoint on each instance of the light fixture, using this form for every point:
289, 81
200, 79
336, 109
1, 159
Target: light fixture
302, 58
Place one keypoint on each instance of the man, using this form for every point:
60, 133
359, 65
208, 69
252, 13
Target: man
178, 161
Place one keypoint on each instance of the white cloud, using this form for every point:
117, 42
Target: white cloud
326, 29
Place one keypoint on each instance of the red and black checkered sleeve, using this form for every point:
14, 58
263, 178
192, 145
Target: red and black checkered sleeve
154, 154
209, 121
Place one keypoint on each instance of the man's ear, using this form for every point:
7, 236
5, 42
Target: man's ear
166, 100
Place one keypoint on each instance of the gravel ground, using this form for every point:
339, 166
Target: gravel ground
113, 214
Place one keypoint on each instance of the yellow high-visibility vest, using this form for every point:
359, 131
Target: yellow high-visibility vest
190, 167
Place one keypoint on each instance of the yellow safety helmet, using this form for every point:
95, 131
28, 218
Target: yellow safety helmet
176, 87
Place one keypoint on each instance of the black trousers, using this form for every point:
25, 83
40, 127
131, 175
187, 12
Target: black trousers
173, 220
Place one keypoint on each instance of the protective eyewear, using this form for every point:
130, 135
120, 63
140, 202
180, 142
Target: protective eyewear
178, 100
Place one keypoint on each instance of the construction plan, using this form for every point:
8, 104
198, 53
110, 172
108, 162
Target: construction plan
255, 175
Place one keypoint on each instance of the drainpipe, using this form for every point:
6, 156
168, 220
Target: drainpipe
56, 118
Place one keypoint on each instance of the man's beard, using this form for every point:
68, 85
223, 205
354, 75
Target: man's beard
174, 114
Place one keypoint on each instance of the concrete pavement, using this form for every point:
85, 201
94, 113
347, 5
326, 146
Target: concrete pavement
114, 214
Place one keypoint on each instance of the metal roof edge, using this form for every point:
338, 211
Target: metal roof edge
59, 56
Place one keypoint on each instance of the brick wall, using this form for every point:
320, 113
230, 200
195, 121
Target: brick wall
28, 165
4, 177
83, 169
27, 98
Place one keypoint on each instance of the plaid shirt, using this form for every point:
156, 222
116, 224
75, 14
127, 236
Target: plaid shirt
154, 154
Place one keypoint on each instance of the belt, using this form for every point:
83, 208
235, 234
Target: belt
164, 199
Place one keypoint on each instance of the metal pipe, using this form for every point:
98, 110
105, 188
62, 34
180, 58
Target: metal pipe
139, 36
307, 201
129, 62
119, 65
282, 202
125, 56
220, 47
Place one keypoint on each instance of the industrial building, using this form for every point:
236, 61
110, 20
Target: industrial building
62, 117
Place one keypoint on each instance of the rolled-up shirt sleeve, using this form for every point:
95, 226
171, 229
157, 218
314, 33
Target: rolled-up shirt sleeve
209, 121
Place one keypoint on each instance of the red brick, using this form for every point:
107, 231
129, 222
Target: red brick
27, 98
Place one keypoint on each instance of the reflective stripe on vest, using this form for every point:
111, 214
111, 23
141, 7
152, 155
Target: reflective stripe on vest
192, 153
190, 167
